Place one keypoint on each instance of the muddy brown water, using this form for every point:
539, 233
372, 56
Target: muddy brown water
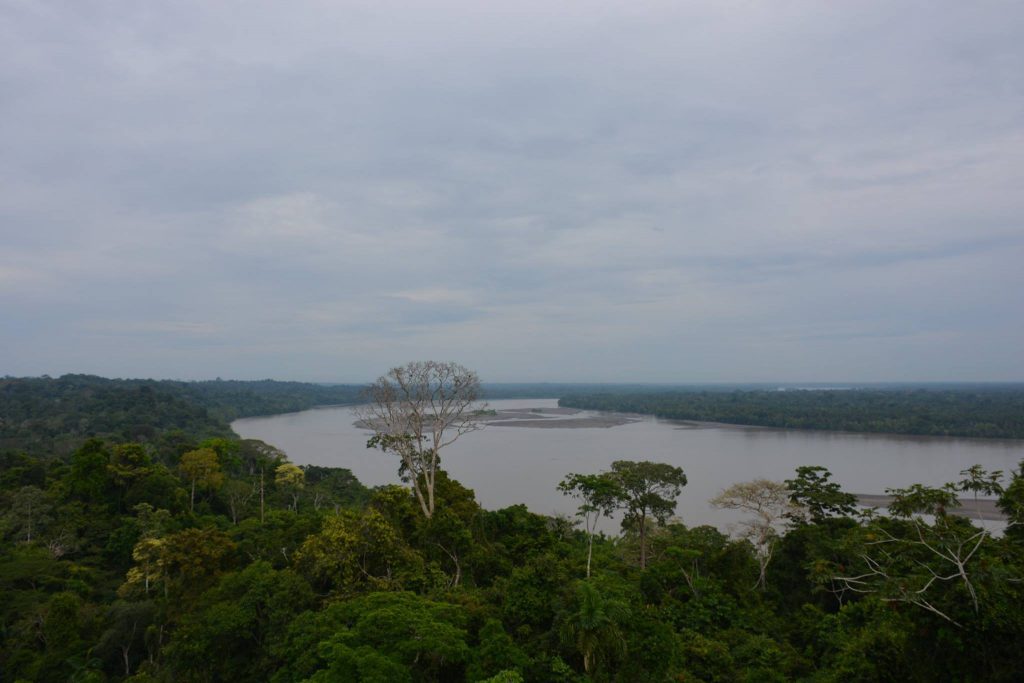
507, 464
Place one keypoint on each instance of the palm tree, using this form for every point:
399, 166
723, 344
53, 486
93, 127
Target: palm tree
593, 629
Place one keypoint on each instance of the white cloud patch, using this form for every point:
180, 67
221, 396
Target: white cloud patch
593, 190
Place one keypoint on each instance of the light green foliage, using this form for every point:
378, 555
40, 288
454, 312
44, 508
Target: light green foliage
357, 552
148, 574
201, 469
179, 565
290, 478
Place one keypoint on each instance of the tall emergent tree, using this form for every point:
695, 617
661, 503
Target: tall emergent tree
201, 468
290, 477
769, 504
646, 489
813, 493
597, 494
416, 410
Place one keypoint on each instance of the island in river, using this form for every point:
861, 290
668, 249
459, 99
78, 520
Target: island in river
528, 445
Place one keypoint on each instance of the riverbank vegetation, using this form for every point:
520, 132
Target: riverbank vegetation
196, 556
981, 411
47, 415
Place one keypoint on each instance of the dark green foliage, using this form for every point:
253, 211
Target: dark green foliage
644, 491
495, 652
1011, 502
987, 411
592, 629
106, 575
333, 487
229, 400
235, 626
821, 498
44, 415
377, 637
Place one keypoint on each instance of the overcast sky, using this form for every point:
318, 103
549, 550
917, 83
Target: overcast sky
567, 191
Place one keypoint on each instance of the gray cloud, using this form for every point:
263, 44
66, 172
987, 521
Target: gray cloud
594, 191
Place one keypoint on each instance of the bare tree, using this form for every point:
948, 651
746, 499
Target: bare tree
770, 504
916, 566
416, 410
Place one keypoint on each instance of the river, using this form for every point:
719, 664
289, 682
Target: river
507, 464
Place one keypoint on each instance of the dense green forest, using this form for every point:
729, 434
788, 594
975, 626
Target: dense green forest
986, 411
54, 415
47, 415
185, 554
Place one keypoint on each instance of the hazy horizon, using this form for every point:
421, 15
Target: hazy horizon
674, 193
485, 383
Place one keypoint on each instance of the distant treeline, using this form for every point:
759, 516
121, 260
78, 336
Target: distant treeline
994, 411
47, 415
56, 415
185, 558
230, 399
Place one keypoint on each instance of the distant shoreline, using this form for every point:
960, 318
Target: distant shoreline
983, 508
557, 418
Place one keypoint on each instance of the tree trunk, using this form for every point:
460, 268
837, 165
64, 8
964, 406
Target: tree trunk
431, 479
590, 551
419, 497
192, 499
643, 540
